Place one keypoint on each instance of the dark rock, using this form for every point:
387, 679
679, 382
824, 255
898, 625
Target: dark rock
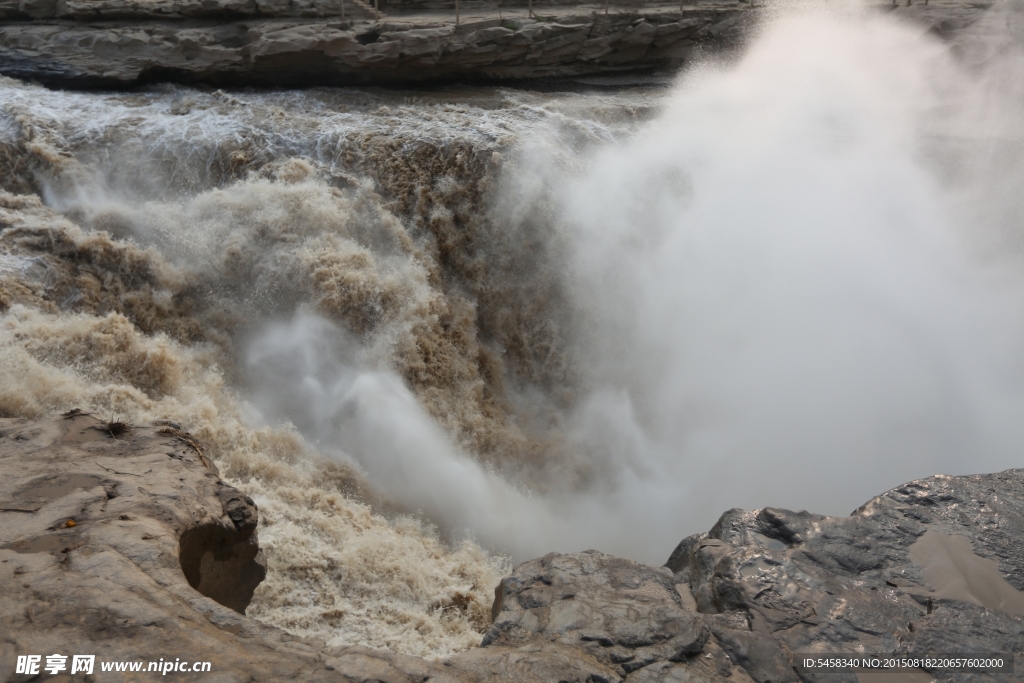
934, 565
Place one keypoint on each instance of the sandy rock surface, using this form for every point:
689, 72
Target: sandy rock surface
97, 534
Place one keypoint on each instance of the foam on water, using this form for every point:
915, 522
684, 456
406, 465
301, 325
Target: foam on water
341, 570
192, 274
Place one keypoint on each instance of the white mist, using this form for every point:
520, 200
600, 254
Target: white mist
792, 287
787, 276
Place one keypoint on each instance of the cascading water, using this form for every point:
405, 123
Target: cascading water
426, 331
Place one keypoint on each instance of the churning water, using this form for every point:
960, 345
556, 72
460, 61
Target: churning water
429, 331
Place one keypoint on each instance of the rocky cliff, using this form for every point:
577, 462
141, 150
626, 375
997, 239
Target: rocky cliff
117, 43
122, 542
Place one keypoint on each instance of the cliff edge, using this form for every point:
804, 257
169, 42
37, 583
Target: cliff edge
115, 43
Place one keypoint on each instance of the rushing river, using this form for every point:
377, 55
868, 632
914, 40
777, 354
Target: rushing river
435, 332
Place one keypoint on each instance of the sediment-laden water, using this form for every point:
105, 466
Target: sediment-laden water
432, 332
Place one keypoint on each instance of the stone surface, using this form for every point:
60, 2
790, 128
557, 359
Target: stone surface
123, 542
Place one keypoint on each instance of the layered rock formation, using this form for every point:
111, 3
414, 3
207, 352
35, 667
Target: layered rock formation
115, 43
122, 542
110, 50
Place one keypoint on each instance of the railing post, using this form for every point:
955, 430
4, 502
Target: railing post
606, 7
376, 10
343, 10
456, 12
531, 9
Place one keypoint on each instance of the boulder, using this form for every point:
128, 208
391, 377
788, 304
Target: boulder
624, 614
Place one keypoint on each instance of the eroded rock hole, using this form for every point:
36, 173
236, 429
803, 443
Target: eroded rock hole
223, 565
